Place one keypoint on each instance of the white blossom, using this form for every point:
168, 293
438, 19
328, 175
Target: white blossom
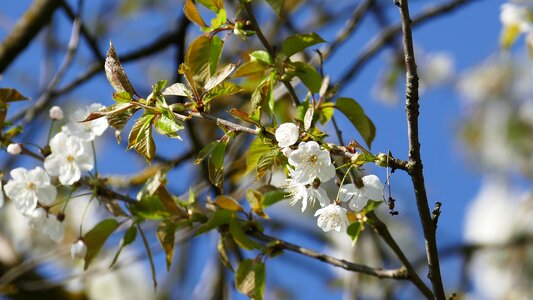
372, 190
331, 217
78, 249
37, 218
26, 188
14, 149
310, 162
53, 228
86, 131
305, 193
513, 15
287, 134
55, 113
70, 156
287, 151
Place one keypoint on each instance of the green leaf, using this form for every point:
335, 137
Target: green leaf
96, 237
509, 35
166, 233
218, 218
309, 76
262, 97
223, 253
122, 97
250, 68
235, 228
191, 12
140, 137
242, 116
299, 42
255, 198
11, 95
166, 124
178, 89
150, 207
187, 73
202, 56
224, 89
220, 19
116, 108
353, 231
216, 165
255, 151
325, 112
219, 76
214, 5
205, 152
273, 197
250, 278
370, 206
119, 120
261, 56
276, 5
227, 202
129, 237
266, 162
115, 73
355, 113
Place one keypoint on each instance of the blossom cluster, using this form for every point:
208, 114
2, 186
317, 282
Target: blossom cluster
33, 192
309, 166
517, 18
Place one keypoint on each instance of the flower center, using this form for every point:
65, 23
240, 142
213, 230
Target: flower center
70, 158
31, 186
313, 159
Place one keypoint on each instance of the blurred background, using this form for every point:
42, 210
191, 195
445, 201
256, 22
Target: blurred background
476, 131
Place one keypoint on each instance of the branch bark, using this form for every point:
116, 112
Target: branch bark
415, 160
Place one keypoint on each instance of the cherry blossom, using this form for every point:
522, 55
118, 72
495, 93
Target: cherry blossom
14, 149
86, 131
310, 162
56, 113
53, 228
357, 197
26, 188
305, 193
287, 134
70, 156
332, 217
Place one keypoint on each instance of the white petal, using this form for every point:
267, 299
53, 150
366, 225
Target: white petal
347, 192
46, 194
326, 172
39, 176
58, 143
69, 174
54, 162
322, 196
287, 134
19, 175
85, 162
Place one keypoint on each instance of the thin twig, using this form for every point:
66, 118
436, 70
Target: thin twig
415, 160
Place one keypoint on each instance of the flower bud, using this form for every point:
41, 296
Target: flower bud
14, 149
56, 113
78, 249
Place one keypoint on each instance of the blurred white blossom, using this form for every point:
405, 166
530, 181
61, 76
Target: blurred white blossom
78, 250
56, 113
310, 162
14, 149
70, 156
332, 217
27, 187
287, 134
372, 189
86, 131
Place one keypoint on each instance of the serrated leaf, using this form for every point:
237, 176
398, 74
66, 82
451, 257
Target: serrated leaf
223, 253
166, 233
166, 124
178, 89
191, 12
266, 162
255, 198
129, 237
355, 113
250, 278
238, 235
309, 76
218, 218
140, 137
370, 206
119, 120
96, 237
255, 151
299, 42
11, 95
227, 202
250, 68
224, 89
219, 76
353, 231
115, 73
202, 56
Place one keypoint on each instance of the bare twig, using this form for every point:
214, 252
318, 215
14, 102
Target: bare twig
415, 160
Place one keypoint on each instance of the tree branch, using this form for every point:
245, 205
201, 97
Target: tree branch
415, 160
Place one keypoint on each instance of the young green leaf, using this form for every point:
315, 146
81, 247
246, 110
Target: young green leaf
166, 233
96, 237
227, 202
370, 206
202, 56
166, 124
219, 76
250, 68
276, 5
309, 76
115, 73
255, 198
129, 237
261, 56
223, 253
266, 162
325, 112
216, 165
353, 231
224, 89
250, 278
218, 218
299, 42
116, 108
150, 207
191, 12
119, 120
140, 137
178, 89
214, 5
273, 197
235, 228
255, 151
355, 113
